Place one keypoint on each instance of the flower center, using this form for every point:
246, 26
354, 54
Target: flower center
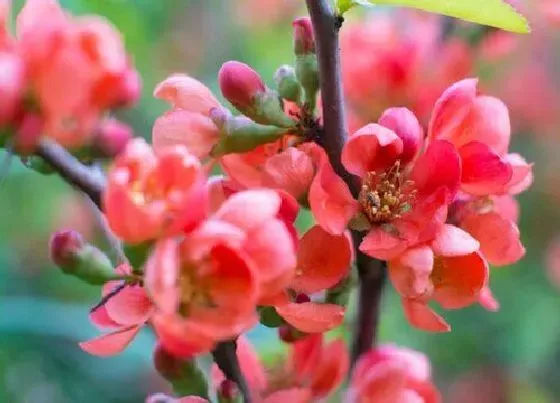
386, 196
192, 292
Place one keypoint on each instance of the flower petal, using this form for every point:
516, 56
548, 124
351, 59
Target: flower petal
185, 92
488, 301
250, 208
322, 260
405, 125
180, 127
293, 395
310, 317
382, 245
291, 170
453, 241
410, 272
422, 317
110, 344
131, 306
372, 148
499, 237
331, 370
459, 280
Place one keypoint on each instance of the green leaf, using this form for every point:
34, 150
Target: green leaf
495, 13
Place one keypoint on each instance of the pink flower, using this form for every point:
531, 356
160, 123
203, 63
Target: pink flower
125, 313
493, 222
66, 53
304, 41
150, 196
401, 204
448, 270
188, 123
392, 374
207, 285
479, 127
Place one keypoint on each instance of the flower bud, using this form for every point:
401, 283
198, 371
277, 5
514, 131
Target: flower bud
65, 247
304, 41
75, 257
183, 374
307, 70
240, 84
244, 88
111, 138
288, 85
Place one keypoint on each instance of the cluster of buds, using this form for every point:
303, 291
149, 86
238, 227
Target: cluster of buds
61, 75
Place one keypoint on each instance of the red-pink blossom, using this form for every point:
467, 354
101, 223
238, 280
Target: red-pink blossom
150, 196
448, 270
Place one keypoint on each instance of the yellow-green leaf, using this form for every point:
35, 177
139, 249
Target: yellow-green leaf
495, 13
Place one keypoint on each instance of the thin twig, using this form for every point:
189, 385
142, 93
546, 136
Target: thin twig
108, 296
326, 25
73, 171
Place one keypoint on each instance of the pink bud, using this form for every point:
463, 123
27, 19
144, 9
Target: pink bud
64, 247
240, 84
405, 125
304, 42
112, 137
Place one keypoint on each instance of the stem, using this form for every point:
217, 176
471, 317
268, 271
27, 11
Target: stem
326, 25
225, 357
73, 171
372, 275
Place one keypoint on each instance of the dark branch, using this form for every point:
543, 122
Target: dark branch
226, 358
326, 26
73, 171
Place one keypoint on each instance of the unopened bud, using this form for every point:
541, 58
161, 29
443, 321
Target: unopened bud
304, 41
183, 373
288, 85
240, 84
307, 70
244, 88
228, 392
65, 246
111, 138
75, 257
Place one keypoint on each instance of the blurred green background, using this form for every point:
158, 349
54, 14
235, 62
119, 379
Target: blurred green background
509, 356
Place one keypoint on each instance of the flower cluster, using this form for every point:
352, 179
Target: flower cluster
60, 75
210, 256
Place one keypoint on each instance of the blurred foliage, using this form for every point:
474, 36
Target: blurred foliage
43, 314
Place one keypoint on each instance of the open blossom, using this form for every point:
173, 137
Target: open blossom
448, 270
188, 123
312, 371
150, 196
65, 52
206, 286
124, 314
479, 126
402, 202
391, 374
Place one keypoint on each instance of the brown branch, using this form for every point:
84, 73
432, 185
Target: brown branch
225, 356
86, 179
326, 25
